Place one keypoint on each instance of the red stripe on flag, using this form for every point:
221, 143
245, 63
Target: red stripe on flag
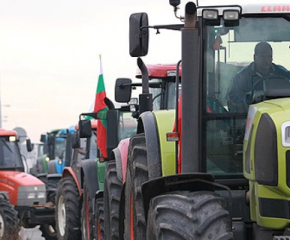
99, 102
102, 138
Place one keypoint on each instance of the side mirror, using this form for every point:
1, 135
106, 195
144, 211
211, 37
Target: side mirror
43, 138
29, 145
138, 34
123, 89
85, 128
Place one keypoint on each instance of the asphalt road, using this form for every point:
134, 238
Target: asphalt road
31, 234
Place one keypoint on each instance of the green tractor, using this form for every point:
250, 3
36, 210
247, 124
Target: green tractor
230, 179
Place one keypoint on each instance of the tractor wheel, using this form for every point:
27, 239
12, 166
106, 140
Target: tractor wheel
99, 219
9, 221
48, 231
188, 215
112, 196
67, 210
137, 174
87, 220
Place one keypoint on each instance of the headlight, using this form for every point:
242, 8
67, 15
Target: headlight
231, 15
31, 195
41, 195
286, 134
210, 14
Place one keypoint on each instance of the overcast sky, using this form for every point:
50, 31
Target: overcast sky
49, 56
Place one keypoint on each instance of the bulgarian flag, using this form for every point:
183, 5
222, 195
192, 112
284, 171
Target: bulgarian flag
100, 106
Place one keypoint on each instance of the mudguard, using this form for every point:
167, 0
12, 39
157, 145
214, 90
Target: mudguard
90, 175
121, 157
69, 172
160, 152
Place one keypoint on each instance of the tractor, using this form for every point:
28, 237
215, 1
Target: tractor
52, 148
159, 82
25, 192
54, 151
79, 193
228, 178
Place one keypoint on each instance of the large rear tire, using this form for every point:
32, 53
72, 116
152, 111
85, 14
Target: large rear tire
87, 220
112, 196
67, 215
187, 216
9, 221
137, 174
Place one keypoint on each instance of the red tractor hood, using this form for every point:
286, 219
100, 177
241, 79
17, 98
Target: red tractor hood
14, 182
17, 179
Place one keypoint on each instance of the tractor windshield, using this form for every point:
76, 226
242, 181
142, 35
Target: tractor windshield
59, 147
163, 96
10, 156
127, 125
93, 151
236, 76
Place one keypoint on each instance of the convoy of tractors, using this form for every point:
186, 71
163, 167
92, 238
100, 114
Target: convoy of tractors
190, 165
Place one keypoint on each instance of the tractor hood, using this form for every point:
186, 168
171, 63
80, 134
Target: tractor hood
275, 105
15, 178
266, 161
23, 189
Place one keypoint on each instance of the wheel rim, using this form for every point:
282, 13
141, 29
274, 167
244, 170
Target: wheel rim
49, 230
131, 217
2, 226
61, 213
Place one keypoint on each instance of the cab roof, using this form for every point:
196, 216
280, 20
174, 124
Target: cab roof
160, 70
5, 133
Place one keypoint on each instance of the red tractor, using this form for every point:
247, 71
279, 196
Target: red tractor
25, 192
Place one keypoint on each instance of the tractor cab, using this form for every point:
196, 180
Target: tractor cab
10, 156
120, 124
235, 108
161, 80
230, 79
162, 84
